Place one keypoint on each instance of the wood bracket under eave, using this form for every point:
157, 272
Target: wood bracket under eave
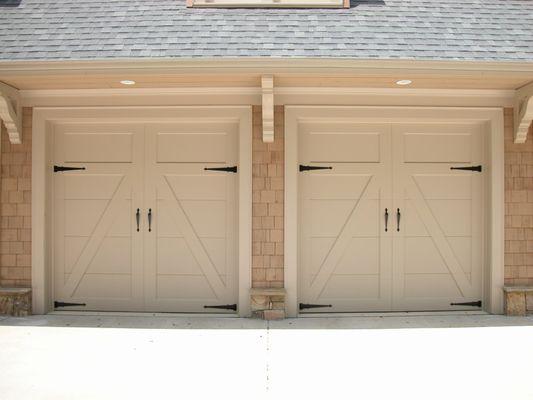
267, 90
523, 112
11, 112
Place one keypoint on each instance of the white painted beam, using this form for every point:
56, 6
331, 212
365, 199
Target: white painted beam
523, 113
267, 88
11, 112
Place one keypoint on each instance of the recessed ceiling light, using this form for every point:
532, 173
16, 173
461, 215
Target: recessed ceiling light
127, 82
404, 82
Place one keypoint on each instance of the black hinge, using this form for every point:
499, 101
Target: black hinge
60, 168
311, 168
223, 169
468, 303
58, 304
224, 307
304, 306
476, 168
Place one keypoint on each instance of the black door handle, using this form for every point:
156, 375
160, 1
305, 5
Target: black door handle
150, 220
386, 219
398, 215
138, 218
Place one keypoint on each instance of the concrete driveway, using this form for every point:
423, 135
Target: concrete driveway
176, 357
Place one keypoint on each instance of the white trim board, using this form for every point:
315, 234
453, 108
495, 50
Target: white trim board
492, 117
44, 118
188, 96
261, 65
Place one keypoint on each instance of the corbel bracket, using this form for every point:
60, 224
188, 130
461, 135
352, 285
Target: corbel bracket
11, 112
523, 112
267, 90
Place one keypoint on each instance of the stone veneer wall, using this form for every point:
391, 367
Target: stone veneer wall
518, 207
15, 210
268, 200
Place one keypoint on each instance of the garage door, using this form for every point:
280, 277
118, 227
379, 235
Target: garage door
149, 222
391, 216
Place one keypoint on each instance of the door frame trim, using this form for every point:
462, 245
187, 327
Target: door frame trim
493, 274
43, 120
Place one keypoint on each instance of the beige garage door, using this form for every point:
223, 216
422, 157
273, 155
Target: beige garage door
149, 223
386, 221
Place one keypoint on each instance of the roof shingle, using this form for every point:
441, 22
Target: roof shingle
485, 30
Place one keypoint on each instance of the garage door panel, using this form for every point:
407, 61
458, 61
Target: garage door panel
184, 286
95, 142
96, 286
463, 249
361, 257
352, 287
434, 216
195, 142
113, 256
453, 216
343, 147
343, 254
422, 256
82, 216
198, 187
123, 222
335, 186
434, 148
438, 256
431, 285
74, 245
90, 186
174, 257
181, 259
98, 147
207, 217
341, 142
442, 187
327, 218
186, 148
412, 224
194, 231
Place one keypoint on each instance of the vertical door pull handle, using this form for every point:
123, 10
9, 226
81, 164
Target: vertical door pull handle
386, 219
149, 220
398, 215
138, 218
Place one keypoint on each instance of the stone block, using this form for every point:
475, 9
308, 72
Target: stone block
15, 302
515, 303
268, 303
529, 302
272, 315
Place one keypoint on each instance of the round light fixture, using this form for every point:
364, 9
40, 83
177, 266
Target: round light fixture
404, 82
127, 82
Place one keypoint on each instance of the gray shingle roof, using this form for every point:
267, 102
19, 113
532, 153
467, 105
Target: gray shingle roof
491, 30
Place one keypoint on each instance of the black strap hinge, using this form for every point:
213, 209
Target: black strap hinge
304, 306
311, 168
223, 169
476, 168
60, 168
58, 304
468, 303
224, 307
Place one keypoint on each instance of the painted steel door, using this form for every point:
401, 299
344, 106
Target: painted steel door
438, 245
97, 251
191, 249
145, 227
345, 248
431, 255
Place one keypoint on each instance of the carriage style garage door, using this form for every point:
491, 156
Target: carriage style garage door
389, 218
150, 222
